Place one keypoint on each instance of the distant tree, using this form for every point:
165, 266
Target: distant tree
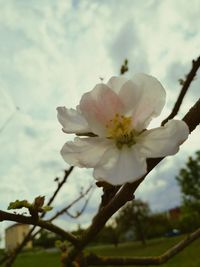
109, 234
132, 217
157, 225
189, 181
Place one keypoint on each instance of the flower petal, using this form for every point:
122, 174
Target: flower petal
150, 100
115, 83
121, 166
72, 121
163, 141
99, 106
85, 152
130, 94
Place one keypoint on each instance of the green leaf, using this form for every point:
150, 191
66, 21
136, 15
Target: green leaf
19, 204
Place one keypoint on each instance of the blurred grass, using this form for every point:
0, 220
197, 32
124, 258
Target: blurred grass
38, 259
190, 257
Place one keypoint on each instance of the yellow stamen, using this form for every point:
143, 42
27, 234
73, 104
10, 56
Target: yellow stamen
120, 129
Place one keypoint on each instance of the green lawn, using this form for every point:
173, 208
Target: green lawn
38, 259
188, 258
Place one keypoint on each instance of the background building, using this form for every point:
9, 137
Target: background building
15, 234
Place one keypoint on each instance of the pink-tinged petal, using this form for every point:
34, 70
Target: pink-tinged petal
165, 140
130, 94
121, 166
148, 98
99, 106
116, 83
72, 121
85, 152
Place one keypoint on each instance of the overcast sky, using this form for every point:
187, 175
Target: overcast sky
52, 52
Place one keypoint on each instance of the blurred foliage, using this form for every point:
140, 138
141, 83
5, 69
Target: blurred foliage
108, 235
158, 225
189, 181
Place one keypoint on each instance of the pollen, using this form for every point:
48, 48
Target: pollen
120, 129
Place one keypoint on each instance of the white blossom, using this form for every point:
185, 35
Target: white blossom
118, 114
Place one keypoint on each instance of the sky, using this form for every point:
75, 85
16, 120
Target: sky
54, 51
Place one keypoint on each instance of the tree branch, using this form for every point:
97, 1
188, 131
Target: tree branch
11, 258
157, 260
62, 211
28, 236
186, 84
192, 118
126, 192
44, 224
120, 195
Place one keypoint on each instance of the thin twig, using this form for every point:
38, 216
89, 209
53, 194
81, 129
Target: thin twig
71, 204
29, 234
186, 85
80, 212
156, 260
64, 210
67, 173
44, 224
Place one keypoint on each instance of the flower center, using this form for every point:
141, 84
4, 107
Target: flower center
120, 129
